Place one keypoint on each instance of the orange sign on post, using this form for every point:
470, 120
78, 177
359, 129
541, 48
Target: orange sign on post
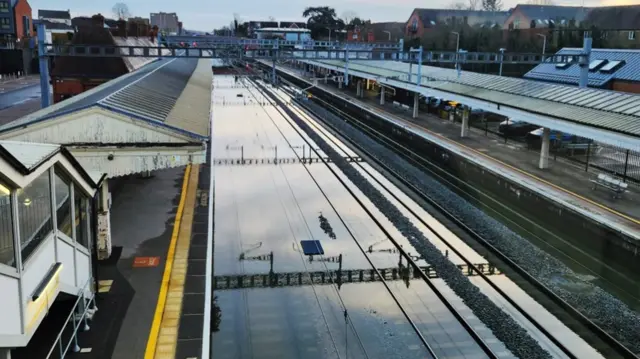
146, 262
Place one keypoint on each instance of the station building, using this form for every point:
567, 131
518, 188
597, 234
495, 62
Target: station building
48, 205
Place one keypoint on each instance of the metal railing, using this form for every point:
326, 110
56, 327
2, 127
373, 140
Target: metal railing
78, 320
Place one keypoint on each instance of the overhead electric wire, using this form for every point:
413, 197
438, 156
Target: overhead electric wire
400, 306
344, 308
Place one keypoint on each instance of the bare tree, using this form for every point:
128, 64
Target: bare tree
492, 5
348, 16
461, 5
121, 11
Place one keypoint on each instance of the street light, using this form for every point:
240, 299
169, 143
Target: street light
502, 50
388, 32
544, 45
457, 49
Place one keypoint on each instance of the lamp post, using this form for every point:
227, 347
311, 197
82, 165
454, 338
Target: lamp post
457, 49
502, 50
388, 32
544, 45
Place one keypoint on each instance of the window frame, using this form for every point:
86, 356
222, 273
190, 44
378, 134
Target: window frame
9, 269
83, 197
60, 173
631, 35
26, 259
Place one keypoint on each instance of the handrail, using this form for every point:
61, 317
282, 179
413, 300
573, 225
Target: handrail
76, 322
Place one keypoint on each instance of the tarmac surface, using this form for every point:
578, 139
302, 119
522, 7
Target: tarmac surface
142, 217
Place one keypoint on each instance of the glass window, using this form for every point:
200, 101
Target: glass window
6, 226
4, 6
34, 214
82, 217
63, 205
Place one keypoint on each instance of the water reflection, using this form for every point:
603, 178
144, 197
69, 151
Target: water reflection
262, 214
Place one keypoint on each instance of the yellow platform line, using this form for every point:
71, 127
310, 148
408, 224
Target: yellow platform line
530, 175
164, 329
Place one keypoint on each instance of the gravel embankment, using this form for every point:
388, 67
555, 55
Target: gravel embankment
503, 326
608, 312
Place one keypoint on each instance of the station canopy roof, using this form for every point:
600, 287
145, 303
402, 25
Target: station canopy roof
595, 111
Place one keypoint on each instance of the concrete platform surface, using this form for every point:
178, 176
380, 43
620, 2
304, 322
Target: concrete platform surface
142, 219
563, 182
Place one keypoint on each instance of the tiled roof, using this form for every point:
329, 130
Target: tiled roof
615, 17
630, 71
54, 14
427, 16
535, 12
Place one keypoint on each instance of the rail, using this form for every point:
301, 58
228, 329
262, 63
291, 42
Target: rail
470, 266
410, 155
474, 335
77, 320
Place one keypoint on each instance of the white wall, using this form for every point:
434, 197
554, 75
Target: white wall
65, 256
9, 306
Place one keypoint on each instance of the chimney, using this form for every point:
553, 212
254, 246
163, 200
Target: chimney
97, 20
122, 28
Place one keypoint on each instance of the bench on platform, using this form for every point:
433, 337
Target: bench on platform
613, 184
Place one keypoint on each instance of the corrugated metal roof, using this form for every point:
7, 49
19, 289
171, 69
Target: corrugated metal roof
30, 155
187, 113
630, 71
134, 63
609, 110
148, 93
153, 97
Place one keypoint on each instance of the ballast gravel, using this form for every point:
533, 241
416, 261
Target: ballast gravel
503, 326
604, 309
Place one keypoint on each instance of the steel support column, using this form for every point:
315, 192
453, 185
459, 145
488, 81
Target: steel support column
464, 130
584, 61
544, 151
346, 66
43, 61
382, 95
416, 103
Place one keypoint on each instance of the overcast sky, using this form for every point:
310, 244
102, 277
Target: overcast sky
206, 15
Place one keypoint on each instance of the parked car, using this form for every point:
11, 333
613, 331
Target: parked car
513, 128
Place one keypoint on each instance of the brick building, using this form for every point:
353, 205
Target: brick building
422, 21
71, 76
15, 21
166, 22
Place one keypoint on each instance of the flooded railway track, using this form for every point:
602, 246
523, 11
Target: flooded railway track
529, 352
586, 328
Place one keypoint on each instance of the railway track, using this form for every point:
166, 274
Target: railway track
528, 348
608, 345
440, 237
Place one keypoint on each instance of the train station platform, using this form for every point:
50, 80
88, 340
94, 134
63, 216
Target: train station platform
563, 182
137, 283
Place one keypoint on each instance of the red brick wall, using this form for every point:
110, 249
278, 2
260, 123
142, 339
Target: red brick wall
23, 8
626, 86
408, 29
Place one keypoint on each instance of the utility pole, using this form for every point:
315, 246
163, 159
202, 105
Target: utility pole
457, 50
